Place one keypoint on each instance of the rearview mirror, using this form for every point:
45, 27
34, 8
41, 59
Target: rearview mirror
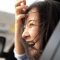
2, 44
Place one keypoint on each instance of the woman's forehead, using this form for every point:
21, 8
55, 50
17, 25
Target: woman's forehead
33, 10
32, 15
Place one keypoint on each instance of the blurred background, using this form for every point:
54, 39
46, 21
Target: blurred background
7, 27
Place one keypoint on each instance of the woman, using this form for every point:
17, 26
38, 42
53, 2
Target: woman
33, 27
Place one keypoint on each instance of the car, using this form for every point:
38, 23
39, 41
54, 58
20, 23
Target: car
7, 55
3, 28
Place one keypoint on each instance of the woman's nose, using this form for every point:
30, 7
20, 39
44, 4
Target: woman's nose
25, 33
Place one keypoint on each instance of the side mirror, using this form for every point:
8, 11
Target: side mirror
2, 44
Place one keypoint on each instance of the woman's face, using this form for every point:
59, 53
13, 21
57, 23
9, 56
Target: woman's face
31, 30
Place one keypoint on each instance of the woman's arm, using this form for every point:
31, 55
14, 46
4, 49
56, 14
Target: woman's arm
19, 49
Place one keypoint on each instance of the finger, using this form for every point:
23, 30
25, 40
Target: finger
19, 18
19, 8
18, 3
23, 3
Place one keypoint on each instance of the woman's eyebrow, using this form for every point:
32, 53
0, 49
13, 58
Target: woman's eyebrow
30, 21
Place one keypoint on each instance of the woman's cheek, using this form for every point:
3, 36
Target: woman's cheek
33, 31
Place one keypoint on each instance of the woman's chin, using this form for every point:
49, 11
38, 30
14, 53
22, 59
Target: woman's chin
33, 51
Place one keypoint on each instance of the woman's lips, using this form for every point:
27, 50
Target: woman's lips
31, 43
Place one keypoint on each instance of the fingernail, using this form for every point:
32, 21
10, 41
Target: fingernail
21, 4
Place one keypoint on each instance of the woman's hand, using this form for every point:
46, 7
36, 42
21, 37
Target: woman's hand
20, 6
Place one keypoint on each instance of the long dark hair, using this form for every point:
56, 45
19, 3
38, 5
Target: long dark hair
49, 15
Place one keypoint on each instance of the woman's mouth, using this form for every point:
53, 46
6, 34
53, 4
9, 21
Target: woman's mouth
30, 43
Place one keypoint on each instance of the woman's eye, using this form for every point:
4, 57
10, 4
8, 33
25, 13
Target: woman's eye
30, 25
